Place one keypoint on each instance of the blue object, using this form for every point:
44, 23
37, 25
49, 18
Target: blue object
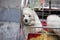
12, 15
10, 24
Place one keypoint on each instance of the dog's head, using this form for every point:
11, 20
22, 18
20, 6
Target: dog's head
28, 17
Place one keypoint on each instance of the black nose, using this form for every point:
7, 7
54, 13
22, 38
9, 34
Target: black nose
26, 20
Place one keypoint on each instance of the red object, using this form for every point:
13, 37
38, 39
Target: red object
32, 36
44, 23
41, 2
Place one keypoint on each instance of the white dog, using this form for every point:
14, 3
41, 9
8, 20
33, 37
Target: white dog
30, 19
53, 21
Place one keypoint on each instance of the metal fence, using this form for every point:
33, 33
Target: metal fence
52, 35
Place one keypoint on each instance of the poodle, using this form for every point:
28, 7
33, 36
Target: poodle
31, 22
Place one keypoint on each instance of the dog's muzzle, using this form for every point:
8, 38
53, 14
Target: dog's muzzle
26, 20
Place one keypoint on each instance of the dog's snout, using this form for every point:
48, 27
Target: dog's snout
26, 20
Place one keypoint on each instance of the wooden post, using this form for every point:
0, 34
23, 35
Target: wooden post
49, 6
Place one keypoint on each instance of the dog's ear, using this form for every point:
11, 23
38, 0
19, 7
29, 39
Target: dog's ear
24, 4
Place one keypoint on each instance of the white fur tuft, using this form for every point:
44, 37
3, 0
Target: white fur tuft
53, 21
36, 21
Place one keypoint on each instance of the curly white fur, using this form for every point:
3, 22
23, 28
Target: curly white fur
34, 20
53, 21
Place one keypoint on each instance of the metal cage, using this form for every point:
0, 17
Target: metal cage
50, 34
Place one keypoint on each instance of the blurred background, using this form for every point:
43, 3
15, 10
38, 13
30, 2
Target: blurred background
10, 13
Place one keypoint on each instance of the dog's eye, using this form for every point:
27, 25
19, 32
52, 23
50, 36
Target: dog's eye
29, 16
23, 15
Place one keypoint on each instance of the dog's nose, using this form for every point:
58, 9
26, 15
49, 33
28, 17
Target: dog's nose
26, 20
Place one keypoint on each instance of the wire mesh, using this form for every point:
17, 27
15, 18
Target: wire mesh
51, 33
